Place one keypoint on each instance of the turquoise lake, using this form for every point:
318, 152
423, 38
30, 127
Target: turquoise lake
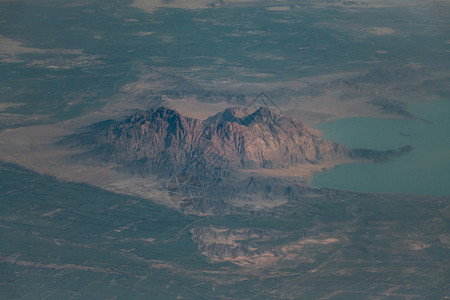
425, 170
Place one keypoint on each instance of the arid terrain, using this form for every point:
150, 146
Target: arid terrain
171, 149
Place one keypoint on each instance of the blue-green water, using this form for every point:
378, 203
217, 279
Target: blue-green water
425, 170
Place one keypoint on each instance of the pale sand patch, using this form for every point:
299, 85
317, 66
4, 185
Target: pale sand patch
144, 33
279, 8
195, 109
57, 242
6, 105
303, 172
8, 119
264, 56
150, 240
13, 259
152, 5
331, 104
256, 261
166, 39
318, 241
300, 250
257, 202
52, 213
224, 236
370, 3
418, 246
257, 75
12, 47
381, 30
10, 59
292, 251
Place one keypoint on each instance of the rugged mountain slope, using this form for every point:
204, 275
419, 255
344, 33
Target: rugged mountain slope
163, 141
263, 139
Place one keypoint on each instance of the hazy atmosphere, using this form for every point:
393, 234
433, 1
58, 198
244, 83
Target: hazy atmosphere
224, 149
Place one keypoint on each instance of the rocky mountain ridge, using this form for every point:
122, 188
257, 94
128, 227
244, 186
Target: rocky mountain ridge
164, 142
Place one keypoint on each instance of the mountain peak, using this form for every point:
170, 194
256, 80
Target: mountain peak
232, 114
243, 116
261, 115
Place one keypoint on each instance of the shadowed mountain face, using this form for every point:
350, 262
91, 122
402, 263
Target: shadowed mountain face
164, 142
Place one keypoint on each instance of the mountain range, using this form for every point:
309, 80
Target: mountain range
162, 141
